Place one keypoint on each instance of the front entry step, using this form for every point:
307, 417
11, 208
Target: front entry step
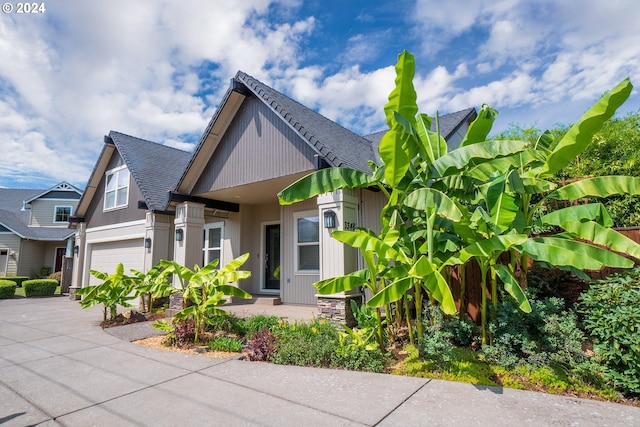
266, 300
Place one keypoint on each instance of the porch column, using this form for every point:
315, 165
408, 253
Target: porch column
78, 260
157, 231
337, 259
189, 225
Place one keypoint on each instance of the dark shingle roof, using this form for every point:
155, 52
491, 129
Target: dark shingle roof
155, 168
336, 144
15, 219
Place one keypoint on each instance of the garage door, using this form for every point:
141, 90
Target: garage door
106, 256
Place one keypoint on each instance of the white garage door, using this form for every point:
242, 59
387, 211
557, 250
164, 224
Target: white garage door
106, 256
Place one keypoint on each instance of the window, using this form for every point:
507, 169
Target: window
212, 243
116, 189
307, 238
62, 214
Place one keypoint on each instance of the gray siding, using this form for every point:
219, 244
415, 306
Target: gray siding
43, 212
257, 146
31, 258
11, 243
96, 217
296, 288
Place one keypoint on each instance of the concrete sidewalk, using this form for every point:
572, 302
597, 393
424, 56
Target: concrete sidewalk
58, 367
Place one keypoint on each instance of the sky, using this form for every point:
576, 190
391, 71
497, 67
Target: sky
157, 69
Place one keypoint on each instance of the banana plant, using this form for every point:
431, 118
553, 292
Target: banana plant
116, 289
151, 285
207, 288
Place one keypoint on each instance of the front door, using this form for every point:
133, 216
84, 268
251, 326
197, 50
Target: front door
272, 257
60, 253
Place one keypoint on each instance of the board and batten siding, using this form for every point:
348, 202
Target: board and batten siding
252, 240
11, 243
256, 147
43, 212
296, 288
31, 258
96, 216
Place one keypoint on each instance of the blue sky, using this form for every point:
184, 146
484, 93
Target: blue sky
157, 69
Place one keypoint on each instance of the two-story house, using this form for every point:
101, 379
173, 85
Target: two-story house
34, 229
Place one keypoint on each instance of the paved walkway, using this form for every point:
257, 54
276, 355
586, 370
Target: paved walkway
57, 367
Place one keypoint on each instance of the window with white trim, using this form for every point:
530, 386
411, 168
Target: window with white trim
212, 243
307, 242
116, 188
62, 214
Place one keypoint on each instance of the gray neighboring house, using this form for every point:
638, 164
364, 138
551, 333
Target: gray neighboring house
34, 229
145, 202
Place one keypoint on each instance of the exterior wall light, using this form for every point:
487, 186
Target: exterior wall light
329, 219
76, 250
179, 234
147, 243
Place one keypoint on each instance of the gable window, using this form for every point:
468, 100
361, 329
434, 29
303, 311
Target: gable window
116, 189
307, 242
62, 214
212, 243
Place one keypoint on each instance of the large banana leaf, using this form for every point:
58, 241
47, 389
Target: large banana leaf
559, 252
589, 212
604, 236
428, 199
474, 154
600, 186
364, 241
434, 283
335, 285
403, 98
512, 286
435, 145
489, 247
484, 170
502, 205
324, 181
393, 154
581, 133
480, 127
391, 293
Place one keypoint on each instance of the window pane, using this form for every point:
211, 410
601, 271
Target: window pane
62, 214
123, 195
309, 257
308, 230
110, 199
214, 237
123, 178
111, 183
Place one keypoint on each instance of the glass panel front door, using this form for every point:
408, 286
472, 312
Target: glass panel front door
272, 257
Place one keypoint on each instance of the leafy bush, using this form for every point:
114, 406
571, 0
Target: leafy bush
226, 323
303, 344
57, 276
7, 289
18, 279
39, 287
255, 324
261, 346
612, 320
554, 282
225, 343
185, 331
358, 350
548, 335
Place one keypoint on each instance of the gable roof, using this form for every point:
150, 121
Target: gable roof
155, 169
16, 220
58, 189
335, 144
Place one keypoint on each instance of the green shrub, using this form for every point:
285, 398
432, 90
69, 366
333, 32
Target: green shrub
225, 343
304, 344
548, 335
358, 350
225, 323
18, 279
39, 287
255, 324
612, 320
7, 289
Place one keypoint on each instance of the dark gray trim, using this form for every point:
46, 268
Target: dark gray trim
208, 203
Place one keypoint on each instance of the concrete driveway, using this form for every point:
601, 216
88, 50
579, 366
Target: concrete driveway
58, 367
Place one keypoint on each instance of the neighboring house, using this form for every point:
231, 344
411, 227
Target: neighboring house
34, 229
145, 202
